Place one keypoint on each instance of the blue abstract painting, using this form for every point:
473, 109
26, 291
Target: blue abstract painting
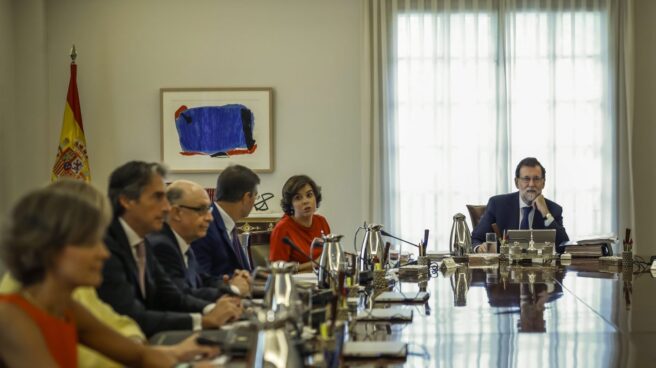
216, 131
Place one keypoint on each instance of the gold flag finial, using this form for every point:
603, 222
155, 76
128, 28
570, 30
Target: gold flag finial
73, 54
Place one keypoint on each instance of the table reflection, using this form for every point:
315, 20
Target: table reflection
514, 316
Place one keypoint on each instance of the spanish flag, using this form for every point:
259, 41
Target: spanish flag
72, 159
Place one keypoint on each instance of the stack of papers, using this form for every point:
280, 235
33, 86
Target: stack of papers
598, 239
591, 246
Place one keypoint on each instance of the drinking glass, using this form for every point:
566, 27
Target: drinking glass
491, 241
394, 255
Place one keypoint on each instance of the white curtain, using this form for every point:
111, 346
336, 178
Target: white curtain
461, 90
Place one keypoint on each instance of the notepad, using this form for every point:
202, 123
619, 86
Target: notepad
385, 314
375, 349
395, 297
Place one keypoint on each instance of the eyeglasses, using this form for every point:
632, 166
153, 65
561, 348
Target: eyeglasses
201, 210
527, 179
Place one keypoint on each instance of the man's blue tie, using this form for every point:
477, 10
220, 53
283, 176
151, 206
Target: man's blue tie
192, 269
236, 245
525, 212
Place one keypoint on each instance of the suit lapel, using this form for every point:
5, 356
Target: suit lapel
223, 232
514, 211
118, 234
169, 234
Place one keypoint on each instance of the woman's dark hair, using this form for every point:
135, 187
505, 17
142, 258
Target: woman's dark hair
292, 186
43, 222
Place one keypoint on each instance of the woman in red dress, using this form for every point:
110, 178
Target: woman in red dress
301, 197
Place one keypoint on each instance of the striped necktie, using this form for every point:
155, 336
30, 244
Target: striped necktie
192, 269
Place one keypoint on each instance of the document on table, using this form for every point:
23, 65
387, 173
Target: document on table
385, 314
395, 297
305, 278
375, 349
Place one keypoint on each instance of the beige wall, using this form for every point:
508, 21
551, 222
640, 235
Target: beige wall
308, 51
7, 112
644, 136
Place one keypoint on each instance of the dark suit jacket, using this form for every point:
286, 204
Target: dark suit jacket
214, 252
165, 307
165, 247
504, 211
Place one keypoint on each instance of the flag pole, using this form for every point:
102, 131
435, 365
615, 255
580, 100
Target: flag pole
73, 54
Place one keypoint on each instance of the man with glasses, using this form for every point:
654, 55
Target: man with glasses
220, 252
525, 209
188, 220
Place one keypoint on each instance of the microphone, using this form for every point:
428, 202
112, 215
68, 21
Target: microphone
385, 233
296, 248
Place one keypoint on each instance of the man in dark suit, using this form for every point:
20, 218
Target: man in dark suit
134, 282
220, 253
525, 209
188, 220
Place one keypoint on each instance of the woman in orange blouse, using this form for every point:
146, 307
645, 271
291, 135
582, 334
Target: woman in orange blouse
53, 245
300, 199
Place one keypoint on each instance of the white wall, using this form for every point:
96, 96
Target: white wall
308, 51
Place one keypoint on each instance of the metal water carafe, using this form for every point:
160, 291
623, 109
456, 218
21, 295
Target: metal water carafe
460, 242
372, 246
332, 260
280, 295
274, 347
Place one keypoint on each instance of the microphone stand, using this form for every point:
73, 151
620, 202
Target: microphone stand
421, 247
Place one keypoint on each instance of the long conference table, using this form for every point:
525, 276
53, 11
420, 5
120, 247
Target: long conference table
575, 315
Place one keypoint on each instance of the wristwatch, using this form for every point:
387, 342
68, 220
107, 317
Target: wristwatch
548, 217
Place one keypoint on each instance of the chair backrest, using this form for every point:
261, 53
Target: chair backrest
475, 213
258, 248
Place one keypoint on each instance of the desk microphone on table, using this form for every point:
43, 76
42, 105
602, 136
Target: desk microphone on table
385, 233
296, 248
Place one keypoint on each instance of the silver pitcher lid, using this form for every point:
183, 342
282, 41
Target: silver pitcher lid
459, 216
283, 267
332, 238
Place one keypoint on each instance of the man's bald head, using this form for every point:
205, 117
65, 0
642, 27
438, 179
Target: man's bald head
191, 209
179, 189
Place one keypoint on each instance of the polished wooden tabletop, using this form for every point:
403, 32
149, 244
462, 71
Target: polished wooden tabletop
527, 316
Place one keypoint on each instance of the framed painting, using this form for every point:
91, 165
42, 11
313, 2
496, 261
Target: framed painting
208, 129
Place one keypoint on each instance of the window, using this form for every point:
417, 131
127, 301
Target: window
477, 91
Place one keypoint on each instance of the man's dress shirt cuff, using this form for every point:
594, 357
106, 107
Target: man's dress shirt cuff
196, 321
235, 290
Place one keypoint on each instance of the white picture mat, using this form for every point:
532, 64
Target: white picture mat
258, 100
